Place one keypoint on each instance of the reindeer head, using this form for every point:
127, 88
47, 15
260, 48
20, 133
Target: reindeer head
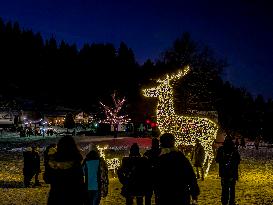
164, 85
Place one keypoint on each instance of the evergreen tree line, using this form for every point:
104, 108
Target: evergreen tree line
62, 74
46, 71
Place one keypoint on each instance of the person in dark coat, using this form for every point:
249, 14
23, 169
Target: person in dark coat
96, 178
229, 159
28, 171
237, 143
36, 164
176, 180
152, 155
66, 179
257, 142
133, 176
243, 142
198, 157
49, 153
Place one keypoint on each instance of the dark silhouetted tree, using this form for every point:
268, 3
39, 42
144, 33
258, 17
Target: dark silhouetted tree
69, 122
199, 89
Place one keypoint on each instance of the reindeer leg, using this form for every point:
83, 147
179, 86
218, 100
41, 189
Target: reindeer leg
210, 155
205, 162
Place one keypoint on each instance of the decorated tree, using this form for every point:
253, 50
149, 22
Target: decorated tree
113, 114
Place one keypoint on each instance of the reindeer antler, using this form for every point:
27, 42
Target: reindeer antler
180, 74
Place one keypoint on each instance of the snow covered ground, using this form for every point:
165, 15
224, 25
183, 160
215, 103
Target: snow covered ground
255, 185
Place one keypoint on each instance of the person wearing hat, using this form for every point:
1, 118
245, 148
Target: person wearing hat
176, 180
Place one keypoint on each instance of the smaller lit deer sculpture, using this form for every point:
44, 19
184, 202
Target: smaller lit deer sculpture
113, 163
186, 129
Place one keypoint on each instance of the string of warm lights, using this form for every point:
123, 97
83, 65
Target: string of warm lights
113, 163
102, 151
186, 129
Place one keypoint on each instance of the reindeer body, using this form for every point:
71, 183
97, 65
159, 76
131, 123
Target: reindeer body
186, 129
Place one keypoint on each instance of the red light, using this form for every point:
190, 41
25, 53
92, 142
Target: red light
148, 121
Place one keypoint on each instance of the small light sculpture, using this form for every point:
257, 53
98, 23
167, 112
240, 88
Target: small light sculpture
112, 163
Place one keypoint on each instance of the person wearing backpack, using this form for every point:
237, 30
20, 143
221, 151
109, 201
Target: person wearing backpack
229, 159
96, 178
133, 176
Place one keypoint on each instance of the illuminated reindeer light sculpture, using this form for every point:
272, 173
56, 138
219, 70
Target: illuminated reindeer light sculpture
186, 129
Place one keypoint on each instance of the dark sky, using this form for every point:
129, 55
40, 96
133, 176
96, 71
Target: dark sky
239, 30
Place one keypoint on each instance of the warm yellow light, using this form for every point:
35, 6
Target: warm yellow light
112, 163
186, 129
101, 151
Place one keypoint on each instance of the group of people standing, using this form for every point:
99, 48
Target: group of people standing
166, 172
73, 180
162, 171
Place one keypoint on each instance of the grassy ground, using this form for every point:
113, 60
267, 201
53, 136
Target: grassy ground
253, 187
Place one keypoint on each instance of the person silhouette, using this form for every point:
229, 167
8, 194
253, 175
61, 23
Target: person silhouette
198, 157
96, 177
66, 178
133, 176
152, 155
243, 142
176, 180
36, 165
49, 153
229, 159
237, 143
28, 171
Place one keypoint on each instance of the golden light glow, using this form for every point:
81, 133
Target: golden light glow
101, 151
112, 163
186, 129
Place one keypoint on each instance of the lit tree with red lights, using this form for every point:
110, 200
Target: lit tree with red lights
113, 116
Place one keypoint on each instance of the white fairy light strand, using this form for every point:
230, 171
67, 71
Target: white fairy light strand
112, 114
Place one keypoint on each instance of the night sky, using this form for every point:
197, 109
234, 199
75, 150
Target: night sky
240, 31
